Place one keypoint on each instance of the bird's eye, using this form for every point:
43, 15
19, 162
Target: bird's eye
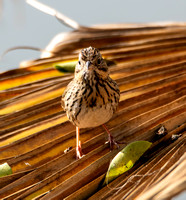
99, 61
79, 62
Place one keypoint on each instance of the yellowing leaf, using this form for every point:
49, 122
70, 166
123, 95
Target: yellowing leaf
32, 99
28, 78
28, 132
125, 159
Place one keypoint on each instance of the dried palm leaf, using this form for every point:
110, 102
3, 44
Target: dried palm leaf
36, 137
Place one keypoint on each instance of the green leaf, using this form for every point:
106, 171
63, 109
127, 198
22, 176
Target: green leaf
125, 159
5, 170
67, 67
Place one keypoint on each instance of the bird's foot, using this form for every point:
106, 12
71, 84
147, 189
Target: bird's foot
79, 153
111, 139
112, 142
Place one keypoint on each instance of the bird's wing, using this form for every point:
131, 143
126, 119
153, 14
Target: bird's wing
65, 92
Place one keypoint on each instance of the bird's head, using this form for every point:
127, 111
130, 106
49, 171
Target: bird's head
91, 64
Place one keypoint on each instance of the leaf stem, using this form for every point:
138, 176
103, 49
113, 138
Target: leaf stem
61, 17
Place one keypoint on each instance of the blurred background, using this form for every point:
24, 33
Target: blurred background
21, 24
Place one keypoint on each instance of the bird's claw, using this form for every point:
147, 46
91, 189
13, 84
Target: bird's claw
113, 142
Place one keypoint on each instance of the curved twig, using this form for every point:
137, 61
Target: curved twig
62, 18
27, 48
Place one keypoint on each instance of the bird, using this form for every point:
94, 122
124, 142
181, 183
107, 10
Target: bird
92, 97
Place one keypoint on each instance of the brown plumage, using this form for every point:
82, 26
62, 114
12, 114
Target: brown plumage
92, 97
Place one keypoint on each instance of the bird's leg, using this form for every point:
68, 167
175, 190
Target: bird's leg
79, 153
110, 138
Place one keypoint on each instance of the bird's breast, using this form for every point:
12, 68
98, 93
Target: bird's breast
92, 103
95, 116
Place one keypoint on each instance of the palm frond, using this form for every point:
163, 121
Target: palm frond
35, 133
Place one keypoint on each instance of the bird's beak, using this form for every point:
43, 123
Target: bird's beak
88, 64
